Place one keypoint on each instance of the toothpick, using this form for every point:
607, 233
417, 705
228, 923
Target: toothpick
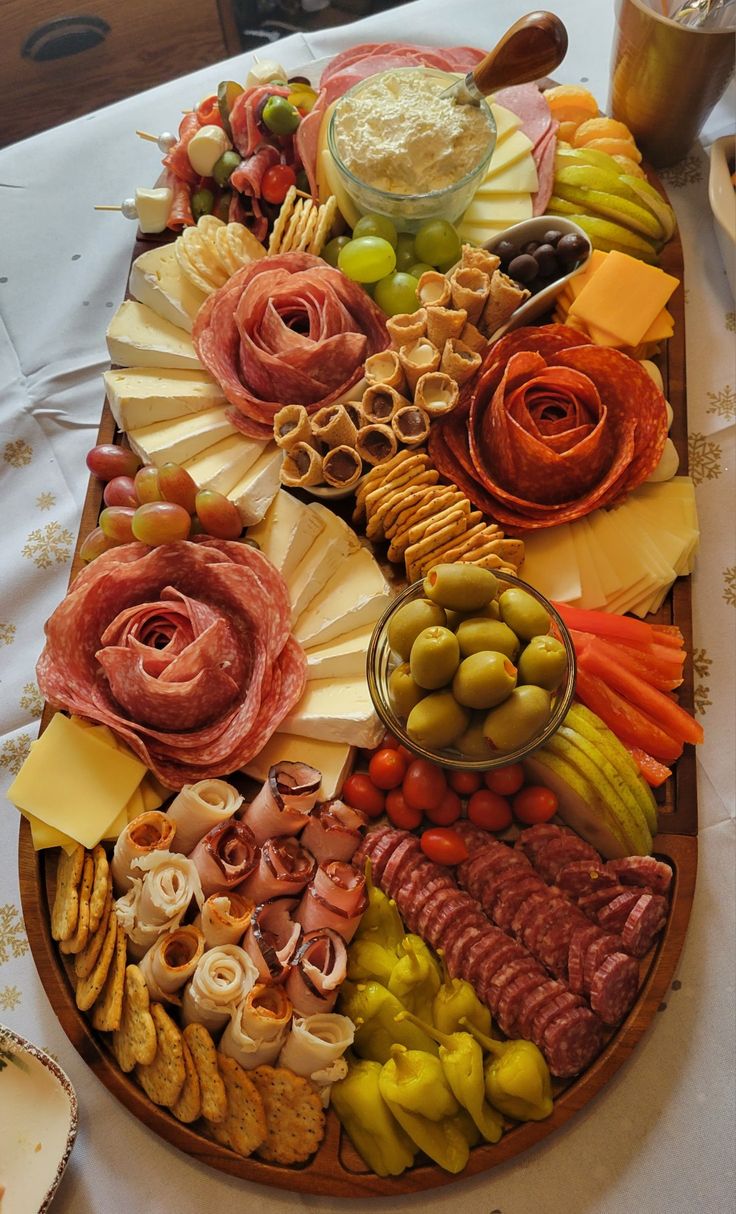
147, 136
107, 208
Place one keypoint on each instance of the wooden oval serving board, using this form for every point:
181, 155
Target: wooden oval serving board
336, 1170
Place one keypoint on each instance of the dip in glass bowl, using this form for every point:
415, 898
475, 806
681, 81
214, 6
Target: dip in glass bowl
404, 151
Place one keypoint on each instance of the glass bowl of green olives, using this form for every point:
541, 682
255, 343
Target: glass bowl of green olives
471, 669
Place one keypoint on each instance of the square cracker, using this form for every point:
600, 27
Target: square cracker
163, 1079
65, 911
393, 498
204, 1056
403, 514
188, 1104
135, 1041
420, 556
243, 1128
295, 1119
108, 1008
77, 941
427, 525
90, 986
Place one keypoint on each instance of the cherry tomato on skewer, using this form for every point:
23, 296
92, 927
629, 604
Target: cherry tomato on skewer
276, 183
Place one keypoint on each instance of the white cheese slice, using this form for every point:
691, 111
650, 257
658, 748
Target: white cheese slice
336, 710
506, 121
286, 532
157, 281
333, 759
323, 559
508, 152
180, 438
255, 491
223, 464
359, 596
515, 178
140, 396
498, 208
137, 337
550, 564
592, 596
342, 658
478, 234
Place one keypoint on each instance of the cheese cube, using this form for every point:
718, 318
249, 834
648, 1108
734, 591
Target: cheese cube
222, 465
333, 759
624, 296
255, 491
141, 396
358, 596
286, 532
180, 438
137, 337
336, 710
156, 280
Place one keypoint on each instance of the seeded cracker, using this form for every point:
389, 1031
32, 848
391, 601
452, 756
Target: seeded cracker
188, 1106
311, 216
287, 244
244, 1127
76, 942
294, 1115
65, 911
108, 1008
135, 1041
85, 961
164, 1078
282, 219
89, 987
204, 1057
419, 556
101, 887
325, 219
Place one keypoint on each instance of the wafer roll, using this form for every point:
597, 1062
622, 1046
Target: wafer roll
291, 425
354, 410
380, 402
444, 323
479, 259
433, 289
410, 425
459, 361
469, 289
436, 392
302, 466
504, 298
385, 368
342, 467
406, 327
333, 426
417, 358
376, 444
474, 338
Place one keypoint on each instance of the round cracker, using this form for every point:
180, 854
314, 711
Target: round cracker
243, 1128
295, 1119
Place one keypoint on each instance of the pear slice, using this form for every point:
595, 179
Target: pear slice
600, 160
613, 774
585, 722
558, 206
579, 805
654, 200
613, 206
593, 177
606, 236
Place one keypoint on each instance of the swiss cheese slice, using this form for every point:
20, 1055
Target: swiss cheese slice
550, 563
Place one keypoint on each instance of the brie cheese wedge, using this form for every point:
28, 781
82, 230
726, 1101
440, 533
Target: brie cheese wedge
358, 594
181, 438
222, 465
141, 396
322, 560
137, 337
286, 532
156, 280
336, 710
343, 658
255, 491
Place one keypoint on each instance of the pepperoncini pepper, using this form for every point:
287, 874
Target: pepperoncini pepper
443, 1139
371, 1127
373, 1011
461, 1059
369, 958
455, 999
381, 920
415, 979
517, 1078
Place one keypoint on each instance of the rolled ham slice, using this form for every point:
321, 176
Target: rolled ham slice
285, 868
319, 968
158, 900
333, 831
199, 807
224, 918
226, 856
222, 979
273, 937
258, 1027
336, 898
285, 801
150, 831
171, 961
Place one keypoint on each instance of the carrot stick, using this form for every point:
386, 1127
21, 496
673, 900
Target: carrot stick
653, 772
664, 711
637, 661
630, 725
606, 623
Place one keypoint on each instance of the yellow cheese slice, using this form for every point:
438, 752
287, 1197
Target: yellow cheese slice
550, 563
152, 793
662, 327
518, 177
333, 759
44, 836
511, 149
506, 121
498, 209
74, 782
624, 296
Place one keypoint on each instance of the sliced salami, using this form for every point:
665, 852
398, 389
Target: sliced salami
653, 875
581, 938
593, 902
583, 877
644, 922
550, 1011
546, 993
442, 917
532, 839
600, 948
512, 896
614, 987
397, 863
553, 856
614, 914
571, 1041
511, 999
457, 950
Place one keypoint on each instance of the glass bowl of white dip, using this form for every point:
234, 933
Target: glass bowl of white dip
404, 151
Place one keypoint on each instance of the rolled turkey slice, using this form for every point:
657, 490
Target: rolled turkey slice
199, 807
171, 961
150, 831
258, 1027
285, 801
226, 856
285, 868
333, 831
314, 1048
336, 898
273, 937
158, 900
222, 979
319, 968
224, 918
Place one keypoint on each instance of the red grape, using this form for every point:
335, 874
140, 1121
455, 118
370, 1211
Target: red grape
95, 544
108, 460
120, 491
176, 485
218, 516
146, 484
157, 523
116, 522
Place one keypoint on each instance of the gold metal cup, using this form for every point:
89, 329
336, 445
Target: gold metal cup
665, 78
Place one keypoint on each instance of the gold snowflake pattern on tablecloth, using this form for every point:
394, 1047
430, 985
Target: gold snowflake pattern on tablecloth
32, 700
701, 663
704, 458
13, 939
729, 585
45, 501
7, 633
14, 752
701, 699
723, 403
731, 322
686, 172
18, 454
49, 545
10, 998
701, 695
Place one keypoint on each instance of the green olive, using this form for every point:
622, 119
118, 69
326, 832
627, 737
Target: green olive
543, 662
479, 633
490, 612
484, 679
280, 116
460, 587
472, 743
225, 167
434, 657
202, 203
437, 720
403, 693
523, 613
406, 624
515, 722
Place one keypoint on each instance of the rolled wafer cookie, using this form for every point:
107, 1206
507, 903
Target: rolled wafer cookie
433, 289
444, 323
436, 392
376, 443
385, 368
291, 425
406, 327
302, 466
334, 426
473, 337
410, 425
479, 259
417, 358
342, 467
459, 361
504, 298
469, 289
380, 402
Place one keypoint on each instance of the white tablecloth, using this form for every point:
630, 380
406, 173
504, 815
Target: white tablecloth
660, 1138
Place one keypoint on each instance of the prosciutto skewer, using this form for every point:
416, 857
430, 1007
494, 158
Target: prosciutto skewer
171, 961
285, 801
199, 807
224, 918
285, 868
333, 831
273, 937
336, 898
226, 856
258, 1027
150, 831
319, 968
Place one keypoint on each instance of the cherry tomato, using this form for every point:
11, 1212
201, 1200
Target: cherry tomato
276, 182
424, 785
505, 780
399, 813
535, 804
464, 782
389, 742
387, 768
444, 846
360, 792
489, 810
448, 810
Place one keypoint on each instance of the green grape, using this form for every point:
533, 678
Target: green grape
445, 266
218, 515
419, 268
367, 259
95, 544
176, 485
116, 523
406, 254
376, 225
157, 523
437, 242
146, 484
397, 293
331, 251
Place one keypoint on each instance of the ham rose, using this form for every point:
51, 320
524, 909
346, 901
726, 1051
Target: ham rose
184, 651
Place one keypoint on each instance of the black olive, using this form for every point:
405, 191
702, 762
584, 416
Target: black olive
523, 268
546, 259
551, 237
506, 251
572, 248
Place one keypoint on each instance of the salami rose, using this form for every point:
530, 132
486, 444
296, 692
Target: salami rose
183, 650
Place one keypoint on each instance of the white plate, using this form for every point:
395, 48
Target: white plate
723, 201
520, 234
38, 1125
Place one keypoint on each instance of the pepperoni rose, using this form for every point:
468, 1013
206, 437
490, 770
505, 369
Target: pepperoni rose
184, 651
555, 429
287, 329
